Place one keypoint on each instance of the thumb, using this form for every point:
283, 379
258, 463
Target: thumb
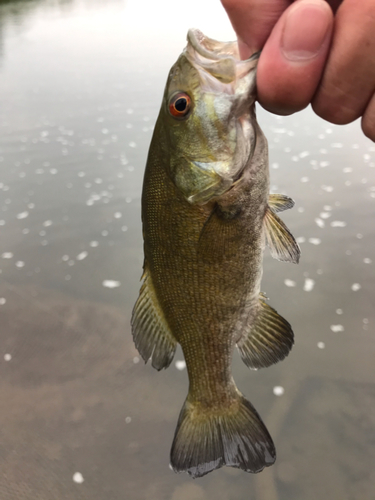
292, 61
253, 21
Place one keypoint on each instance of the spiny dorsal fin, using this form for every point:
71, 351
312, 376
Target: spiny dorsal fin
282, 244
280, 202
208, 438
268, 340
151, 333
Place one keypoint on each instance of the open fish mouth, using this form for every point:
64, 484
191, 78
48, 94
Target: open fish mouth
220, 59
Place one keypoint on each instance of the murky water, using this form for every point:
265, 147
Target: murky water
81, 417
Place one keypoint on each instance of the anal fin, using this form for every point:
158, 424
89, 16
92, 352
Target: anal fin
268, 340
151, 333
280, 240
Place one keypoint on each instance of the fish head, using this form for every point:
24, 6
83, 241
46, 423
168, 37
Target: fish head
209, 117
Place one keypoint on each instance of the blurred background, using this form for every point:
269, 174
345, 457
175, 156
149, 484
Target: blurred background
81, 416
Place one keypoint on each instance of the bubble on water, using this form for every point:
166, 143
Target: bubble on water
355, 287
180, 364
321, 345
275, 166
68, 277
295, 158
65, 258
309, 285
325, 215
347, 183
338, 223
98, 180
78, 478
82, 255
305, 179
321, 136
3, 301
104, 232
303, 154
111, 283
339, 311
7, 255
337, 328
42, 233
47, 223
300, 239
7, 357
132, 144
289, 283
322, 151
315, 241
53, 171
319, 222
300, 210
328, 189
117, 215
71, 262
2, 222
130, 111
23, 215
124, 228
337, 145
324, 164
278, 390
347, 170
105, 131
20, 263
328, 208
359, 236
367, 260
128, 420
94, 244
365, 321
136, 360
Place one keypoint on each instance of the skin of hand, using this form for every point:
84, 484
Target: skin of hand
313, 51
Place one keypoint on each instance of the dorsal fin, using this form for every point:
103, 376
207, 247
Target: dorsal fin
151, 333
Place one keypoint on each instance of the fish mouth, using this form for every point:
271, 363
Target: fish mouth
220, 59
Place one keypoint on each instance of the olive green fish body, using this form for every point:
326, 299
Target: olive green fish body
207, 216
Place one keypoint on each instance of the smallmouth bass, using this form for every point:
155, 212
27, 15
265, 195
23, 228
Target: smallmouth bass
207, 215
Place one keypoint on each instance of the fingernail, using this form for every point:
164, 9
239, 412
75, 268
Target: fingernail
306, 30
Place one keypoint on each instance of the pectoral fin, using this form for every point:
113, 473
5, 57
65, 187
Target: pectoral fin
280, 202
282, 244
268, 340
151, 333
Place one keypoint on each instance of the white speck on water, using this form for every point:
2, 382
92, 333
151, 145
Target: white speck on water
359, 236
104, 232
7, 357
329, 131
94, 244
290, 283
117, 215
319, 222
2, 222
20, 263
124, 228
338, 223
47, 223
275, 166
321, 345
65, 258
105, 131
300, 210
68, 277
367, 260
128, 199
324, 164
180, 364
328, 189
78, 478
132, 144
23, 215
136, 360
303, 154
305, 179
347, 170
365, 321
355, 146
82, 255
128, 420
339, 311
111, 284
321, 136
355, 287
278, 390
325, 215
300, 239
319, 271
337, 145
328, 208
7, 255
309, 285
315, 241
98, 180
42, 233
53, 171
71, 262
130, 111
2, 301
295, 158
337, 328
322, 151
347, 183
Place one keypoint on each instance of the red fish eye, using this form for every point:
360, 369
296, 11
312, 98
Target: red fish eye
179, 105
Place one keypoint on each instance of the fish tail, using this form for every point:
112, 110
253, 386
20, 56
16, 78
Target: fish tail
207, 439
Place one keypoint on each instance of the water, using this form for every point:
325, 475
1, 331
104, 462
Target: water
81, 417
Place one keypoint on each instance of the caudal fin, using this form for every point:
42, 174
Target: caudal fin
206, 440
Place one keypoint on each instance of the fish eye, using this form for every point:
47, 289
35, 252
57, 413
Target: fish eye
179, 105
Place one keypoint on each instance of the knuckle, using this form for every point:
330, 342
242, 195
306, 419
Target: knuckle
336, 105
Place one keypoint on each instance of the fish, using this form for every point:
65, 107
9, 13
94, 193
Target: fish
207, 216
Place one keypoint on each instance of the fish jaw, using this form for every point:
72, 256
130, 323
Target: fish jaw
210, 148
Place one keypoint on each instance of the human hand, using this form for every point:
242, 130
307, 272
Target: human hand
313, 51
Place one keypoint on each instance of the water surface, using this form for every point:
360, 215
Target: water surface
81, 417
